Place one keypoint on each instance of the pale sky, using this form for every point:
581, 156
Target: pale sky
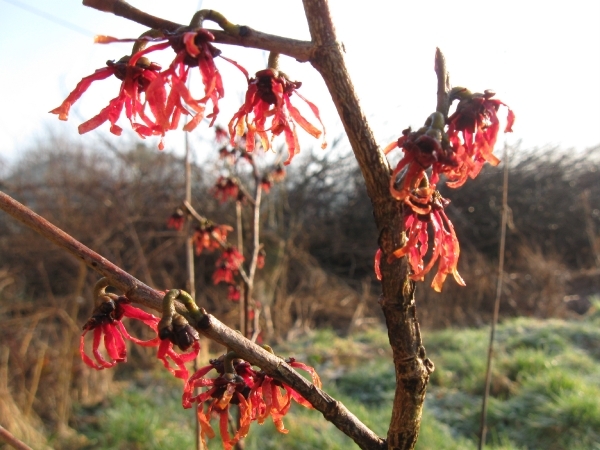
541, 57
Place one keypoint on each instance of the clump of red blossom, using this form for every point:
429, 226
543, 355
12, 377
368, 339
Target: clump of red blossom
226, 188
237, 384
108, 328
154, 100
210, 236
446, 249
228, 266
268, 98
456, 147
136, 77
176, 220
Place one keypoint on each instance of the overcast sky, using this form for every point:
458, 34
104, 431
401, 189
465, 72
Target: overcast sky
541, 57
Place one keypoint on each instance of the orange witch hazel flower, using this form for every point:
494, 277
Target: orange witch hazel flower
237, 383
456, 147
268, 96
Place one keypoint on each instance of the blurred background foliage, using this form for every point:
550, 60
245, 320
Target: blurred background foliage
318, 289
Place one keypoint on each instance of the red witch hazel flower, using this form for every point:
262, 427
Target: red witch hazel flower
256, 395
221, 135
226, 188
176, 220
135, 77
476, 120
444, 152
261, 258
228, 266
194, 49
446, 249
423, 149
108, 327
278, 174
210, 236
233, 293
268, 96
266, 183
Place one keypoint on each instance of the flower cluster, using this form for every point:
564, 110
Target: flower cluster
106, 323
446, 249
456, 147
268, 97
228, 266
256, 394
209, 236
136, 77
154, 99
176, 220
157, 97
227, 188
476, 122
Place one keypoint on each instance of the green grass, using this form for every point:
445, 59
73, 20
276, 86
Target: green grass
545, 393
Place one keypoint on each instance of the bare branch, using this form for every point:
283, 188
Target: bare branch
125, 10
443, 79
10, 439
397, 302
138, 292
248, 37
328, 59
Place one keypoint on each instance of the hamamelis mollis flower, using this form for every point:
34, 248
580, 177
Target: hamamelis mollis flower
135, 79
106, 322
268, 97
270, 397
193, 48
424, 148
210, 236
446, 249
226, 188
228, 266
176, 220
433, 146
108, 328
223, 391
256, 394
233, 293
476, 120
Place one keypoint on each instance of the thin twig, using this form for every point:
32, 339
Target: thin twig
248, 37
411, 366
249, 288
488, 372
138, 292
7, 437
189, 257
589, 226
443, 79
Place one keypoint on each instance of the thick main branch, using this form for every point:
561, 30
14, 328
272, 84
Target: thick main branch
138, 292
397, 302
